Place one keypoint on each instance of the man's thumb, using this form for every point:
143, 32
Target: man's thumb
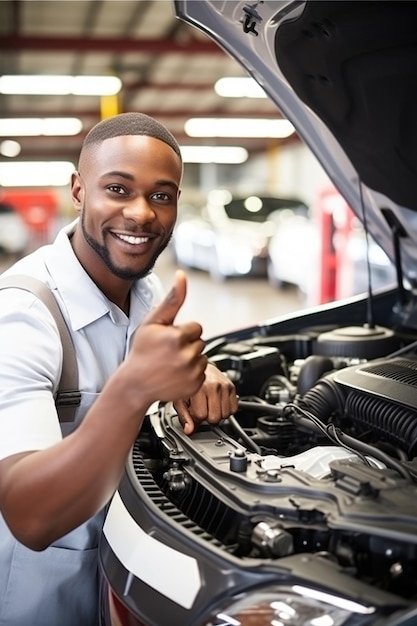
167, 310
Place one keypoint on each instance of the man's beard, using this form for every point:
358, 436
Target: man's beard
120, 272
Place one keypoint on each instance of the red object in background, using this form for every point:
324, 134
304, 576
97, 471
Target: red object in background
323, 215
37, 208
334, 219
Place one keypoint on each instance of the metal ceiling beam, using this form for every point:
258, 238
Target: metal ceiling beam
16, 43
44, 140
152, 111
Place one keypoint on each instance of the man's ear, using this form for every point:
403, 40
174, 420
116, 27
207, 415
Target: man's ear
77, 191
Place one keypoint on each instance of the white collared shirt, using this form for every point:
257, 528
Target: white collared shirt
31, 352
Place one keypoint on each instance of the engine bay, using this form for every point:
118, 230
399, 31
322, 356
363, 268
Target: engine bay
320, 458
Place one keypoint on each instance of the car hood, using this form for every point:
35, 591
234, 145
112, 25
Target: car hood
344, 74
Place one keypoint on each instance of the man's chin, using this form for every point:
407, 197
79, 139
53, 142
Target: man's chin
128, 273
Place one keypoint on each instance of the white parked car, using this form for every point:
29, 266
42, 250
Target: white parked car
231, 234
293, 253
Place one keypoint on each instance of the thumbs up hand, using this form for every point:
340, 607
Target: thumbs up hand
166, 312
166, 364
166, 361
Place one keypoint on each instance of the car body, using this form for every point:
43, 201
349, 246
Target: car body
300, 509
230, 235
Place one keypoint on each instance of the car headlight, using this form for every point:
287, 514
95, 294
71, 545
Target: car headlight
290, 606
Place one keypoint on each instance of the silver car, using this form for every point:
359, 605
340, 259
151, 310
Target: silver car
300, 509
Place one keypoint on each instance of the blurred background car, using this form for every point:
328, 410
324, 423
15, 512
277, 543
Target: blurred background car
293, 252
14, 234
330, 243
230, 235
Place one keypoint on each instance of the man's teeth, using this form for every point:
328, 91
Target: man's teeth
133, 240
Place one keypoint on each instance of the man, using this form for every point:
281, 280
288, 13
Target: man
54, 485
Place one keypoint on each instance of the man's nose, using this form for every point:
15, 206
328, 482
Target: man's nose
139, 210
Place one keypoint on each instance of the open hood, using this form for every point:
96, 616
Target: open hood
345, 75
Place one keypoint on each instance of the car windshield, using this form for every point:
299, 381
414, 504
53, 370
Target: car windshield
257, 208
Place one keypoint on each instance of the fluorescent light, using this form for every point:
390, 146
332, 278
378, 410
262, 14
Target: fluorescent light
238, 127
96, 85
214, 154
35, 126
10, 148
36, 173
239, 87
53, 126
44, 84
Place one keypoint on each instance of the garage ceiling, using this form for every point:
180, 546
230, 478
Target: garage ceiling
168, 69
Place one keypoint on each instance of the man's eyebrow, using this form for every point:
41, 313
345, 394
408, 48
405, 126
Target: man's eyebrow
168, 183
130, 177
119, 174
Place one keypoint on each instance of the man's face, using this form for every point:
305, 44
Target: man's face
127, 191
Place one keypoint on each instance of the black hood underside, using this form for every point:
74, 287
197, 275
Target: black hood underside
355, 65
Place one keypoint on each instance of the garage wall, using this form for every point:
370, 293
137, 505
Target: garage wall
291, 171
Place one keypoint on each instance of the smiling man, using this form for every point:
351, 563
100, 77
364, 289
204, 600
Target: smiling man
56, 479
131, 212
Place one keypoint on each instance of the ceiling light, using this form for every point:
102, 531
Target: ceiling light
10, 148
36, 173
239, 87
238, 127
35, 126
44, 84
214, 154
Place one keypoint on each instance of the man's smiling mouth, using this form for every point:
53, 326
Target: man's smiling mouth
132, 239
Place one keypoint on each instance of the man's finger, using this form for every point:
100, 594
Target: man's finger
167, 310
184, 415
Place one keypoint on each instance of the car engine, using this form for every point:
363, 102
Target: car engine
320, 457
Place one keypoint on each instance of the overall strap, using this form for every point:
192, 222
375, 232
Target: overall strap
68, 396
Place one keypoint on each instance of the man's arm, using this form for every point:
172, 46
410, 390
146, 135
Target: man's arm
47, 493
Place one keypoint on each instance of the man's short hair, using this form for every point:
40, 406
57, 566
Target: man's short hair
132, 123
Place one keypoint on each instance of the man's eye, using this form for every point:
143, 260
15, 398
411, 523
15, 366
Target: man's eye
117, 189
161, 196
